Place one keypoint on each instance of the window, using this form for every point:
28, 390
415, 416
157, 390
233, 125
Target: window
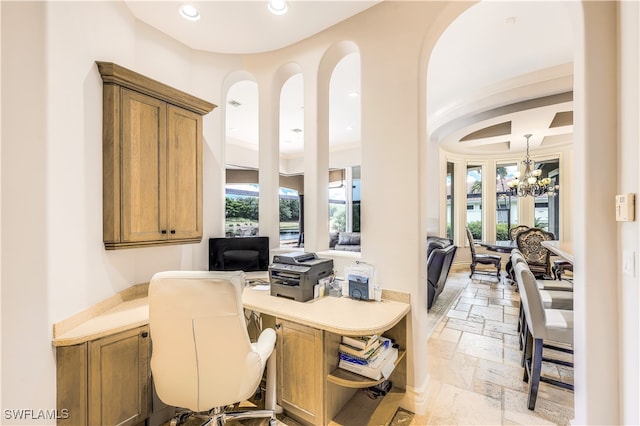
547, 207
506, 205
450, 199
241, 210
289, 217
474, 201
344, 200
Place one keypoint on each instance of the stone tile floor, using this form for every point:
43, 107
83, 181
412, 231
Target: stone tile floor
475, 376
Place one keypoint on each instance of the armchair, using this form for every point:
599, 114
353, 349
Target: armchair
440, 254
202, 359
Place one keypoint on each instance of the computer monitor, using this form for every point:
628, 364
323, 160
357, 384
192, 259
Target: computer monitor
239, 254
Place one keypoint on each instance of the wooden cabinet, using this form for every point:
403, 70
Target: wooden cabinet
152, 161
105, 381
300, 383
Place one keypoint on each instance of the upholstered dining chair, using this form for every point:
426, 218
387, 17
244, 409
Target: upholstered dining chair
482, 259
514, 231
554, 295
545, 328
202, 359
529, 243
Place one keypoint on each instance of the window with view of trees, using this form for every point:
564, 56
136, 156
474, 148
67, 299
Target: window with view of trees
506, 205
241, 212
474, 200
344, 201
547, 207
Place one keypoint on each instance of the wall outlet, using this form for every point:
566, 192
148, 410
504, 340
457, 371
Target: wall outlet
629, 263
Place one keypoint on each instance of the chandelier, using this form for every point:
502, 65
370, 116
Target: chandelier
530, 183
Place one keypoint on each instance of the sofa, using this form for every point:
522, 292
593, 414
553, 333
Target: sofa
440, 254
348, 241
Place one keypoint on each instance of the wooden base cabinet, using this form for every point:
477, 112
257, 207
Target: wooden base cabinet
313, 390
152, 161
300, 371
105, 381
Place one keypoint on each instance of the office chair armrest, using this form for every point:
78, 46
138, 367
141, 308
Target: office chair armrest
265, 344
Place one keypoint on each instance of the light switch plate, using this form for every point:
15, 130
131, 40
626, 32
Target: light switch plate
629, 263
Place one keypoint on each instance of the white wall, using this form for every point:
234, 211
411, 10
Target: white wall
628, 232
56, 264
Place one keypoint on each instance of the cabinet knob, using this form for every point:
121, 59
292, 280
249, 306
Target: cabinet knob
277, 326
164, 231
173, 231
145, 334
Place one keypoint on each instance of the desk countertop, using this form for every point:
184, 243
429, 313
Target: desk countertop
340, 315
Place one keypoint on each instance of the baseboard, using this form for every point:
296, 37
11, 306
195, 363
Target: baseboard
415, 400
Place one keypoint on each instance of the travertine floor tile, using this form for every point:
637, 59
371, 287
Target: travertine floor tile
474, 364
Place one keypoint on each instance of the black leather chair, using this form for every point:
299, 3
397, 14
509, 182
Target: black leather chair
440, 254
483, 259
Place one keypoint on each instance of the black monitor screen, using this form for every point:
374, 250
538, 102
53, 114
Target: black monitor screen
239, 254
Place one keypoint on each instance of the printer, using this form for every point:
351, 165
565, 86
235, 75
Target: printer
293, 275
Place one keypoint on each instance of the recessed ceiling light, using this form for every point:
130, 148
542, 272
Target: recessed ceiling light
277, 7
354, 94
349, 127
189, 12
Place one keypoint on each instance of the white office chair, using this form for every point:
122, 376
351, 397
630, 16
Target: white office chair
202, 359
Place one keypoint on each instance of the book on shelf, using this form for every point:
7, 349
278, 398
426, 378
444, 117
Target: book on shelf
375, 359
360, 342
360, 353
384, 369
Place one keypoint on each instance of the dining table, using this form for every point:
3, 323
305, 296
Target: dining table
498, 246
563, 249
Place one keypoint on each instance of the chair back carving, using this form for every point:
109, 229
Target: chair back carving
530, 245
513, 232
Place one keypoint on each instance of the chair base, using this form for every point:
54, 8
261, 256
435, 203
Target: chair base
219, 417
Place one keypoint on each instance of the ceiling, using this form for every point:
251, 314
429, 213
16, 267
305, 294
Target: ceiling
493, 65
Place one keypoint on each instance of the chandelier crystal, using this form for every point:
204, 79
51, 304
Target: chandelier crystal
530, 184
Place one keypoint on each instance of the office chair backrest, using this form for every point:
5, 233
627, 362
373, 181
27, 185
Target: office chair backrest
201, 353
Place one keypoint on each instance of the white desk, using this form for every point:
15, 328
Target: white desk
310, 386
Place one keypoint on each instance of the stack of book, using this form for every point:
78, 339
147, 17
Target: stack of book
370, 356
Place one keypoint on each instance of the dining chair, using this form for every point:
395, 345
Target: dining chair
482, 259
514, 231
529, 243
546, 328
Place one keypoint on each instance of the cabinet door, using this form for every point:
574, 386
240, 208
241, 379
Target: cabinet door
119, 378
184, 173
143, 184
300, 371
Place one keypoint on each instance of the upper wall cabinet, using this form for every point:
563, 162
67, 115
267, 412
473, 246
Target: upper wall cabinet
152, 161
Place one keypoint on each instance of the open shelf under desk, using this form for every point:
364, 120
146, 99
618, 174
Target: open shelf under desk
353, 380
379, 411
